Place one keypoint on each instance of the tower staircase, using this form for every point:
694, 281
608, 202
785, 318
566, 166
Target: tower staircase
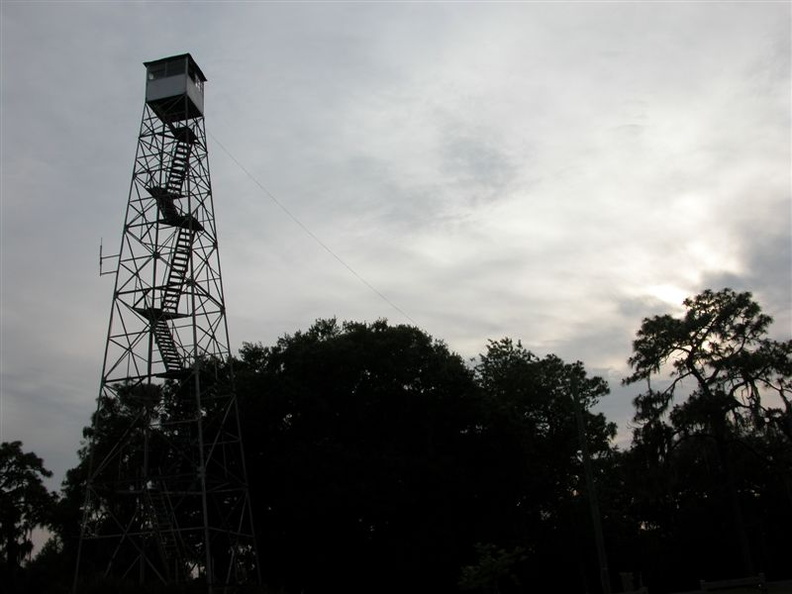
185, 138
177, 272
188, 226
166, 345
167, 195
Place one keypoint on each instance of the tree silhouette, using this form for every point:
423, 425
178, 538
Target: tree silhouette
536, 472
25, 503
712, 441
357, 437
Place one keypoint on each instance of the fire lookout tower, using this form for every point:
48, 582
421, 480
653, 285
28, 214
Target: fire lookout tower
166, 495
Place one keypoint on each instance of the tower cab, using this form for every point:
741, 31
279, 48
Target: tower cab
175, 88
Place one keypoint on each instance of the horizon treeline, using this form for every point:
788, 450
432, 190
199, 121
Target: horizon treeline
380, 461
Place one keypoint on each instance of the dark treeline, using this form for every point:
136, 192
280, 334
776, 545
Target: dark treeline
380, 461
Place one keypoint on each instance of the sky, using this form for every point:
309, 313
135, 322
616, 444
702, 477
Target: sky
553, 172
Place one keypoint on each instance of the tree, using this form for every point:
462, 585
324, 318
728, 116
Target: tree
721, 345
380, 460
359, 439
537, 475
493, 567
710, 423
25, 503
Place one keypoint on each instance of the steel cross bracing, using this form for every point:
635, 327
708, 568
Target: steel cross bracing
166, 498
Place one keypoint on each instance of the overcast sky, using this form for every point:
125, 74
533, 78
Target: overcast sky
553, 172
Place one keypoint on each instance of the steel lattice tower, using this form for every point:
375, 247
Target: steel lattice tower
166, 492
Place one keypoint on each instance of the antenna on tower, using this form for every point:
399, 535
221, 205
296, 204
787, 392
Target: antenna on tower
103, 258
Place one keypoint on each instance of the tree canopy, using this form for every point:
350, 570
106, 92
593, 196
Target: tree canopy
378, 452
356, 433
25, 504
712, 441
379, 460
738, 374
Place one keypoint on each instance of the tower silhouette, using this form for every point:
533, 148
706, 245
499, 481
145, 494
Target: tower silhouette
166, 492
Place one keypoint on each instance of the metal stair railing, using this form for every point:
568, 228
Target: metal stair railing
167, 346
178, 168
180, 262
177, 172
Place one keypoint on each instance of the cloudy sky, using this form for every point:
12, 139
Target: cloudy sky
549, 171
